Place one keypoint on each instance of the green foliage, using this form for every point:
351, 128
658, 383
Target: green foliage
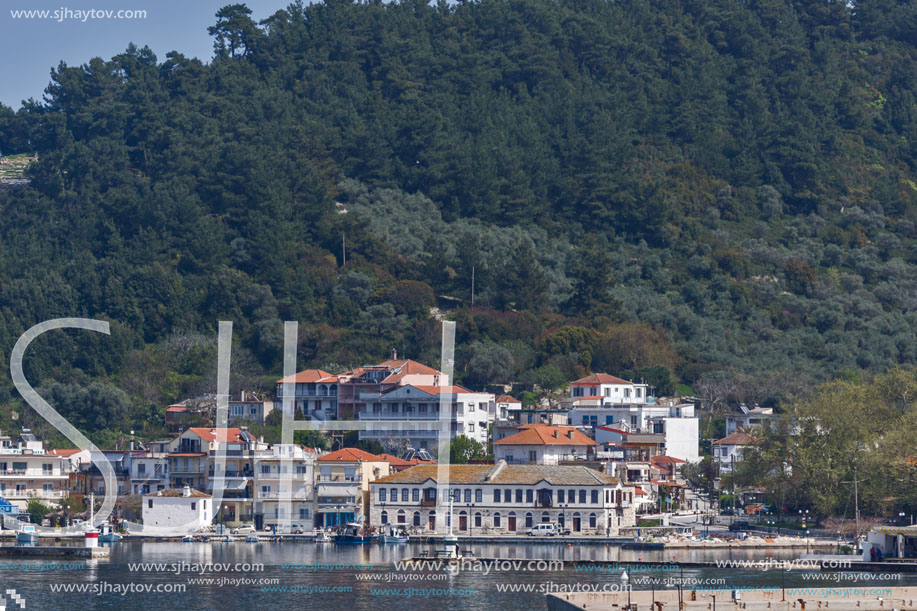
37, 510
463, 449
704, 189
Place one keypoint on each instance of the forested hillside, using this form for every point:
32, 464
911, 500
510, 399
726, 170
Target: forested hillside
687, 191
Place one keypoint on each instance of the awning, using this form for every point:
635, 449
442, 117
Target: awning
907, 531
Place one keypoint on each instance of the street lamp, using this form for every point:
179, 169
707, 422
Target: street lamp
807, 541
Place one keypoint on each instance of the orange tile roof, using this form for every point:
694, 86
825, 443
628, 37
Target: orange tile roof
639, 491
507, 399
310, 376
661, 459
572, 475
64, 452
352, 455
599, 378
436, 390
210, 434
544, 434
400, 462
736, 439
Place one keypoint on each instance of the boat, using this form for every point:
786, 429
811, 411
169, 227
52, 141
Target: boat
26, 534
107, 535
323, 537
354, 533
187, 539
252, 538
400, 536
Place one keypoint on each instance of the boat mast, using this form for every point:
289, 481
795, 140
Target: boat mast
856, 504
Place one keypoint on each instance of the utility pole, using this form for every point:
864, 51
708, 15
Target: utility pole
343, 249
472, 287
856, 504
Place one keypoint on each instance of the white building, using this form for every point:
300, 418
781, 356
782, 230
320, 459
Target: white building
27, 471
416, 409
286, 471
504, 499
542, 444
149, 472
179, 509
508, 408
730, 450
748, 419
611, 389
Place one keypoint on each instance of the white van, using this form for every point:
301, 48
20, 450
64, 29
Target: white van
545, 529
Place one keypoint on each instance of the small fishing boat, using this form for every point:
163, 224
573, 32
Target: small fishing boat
323, 537
354, 534
395, 536
107, 535
187, 539
252, 538
26, 534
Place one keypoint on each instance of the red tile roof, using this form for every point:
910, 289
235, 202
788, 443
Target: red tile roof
310, 376
507, 399
407, 367
226, 435
400, 462
736, 439
544, 434
351, 455
177, 408
64, 452
639, 491
599, 378
660, 459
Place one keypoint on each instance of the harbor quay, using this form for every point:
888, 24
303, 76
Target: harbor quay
735, 599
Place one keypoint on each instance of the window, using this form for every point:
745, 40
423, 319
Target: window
303, 513
381, 495
393, 494
582, 496
529, 496
47, 487
266, 469
637, 392
384, 517
150, 503
497, 520
478, 496
507, 496
477, 519
467, 495
528, 520
627, 393
560, 496
141, 469
592, 520
402, 518
471, 427
193, 506
416, 518
533, 455
595, 497
518, 495
405, 495
415, 494
571, 496
496, 495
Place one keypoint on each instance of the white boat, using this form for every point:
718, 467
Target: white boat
107, 535
395, 538
323, 537
252, 538
26, 534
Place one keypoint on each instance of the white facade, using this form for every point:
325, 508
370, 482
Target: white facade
747, 419
636, 417
177, 509
730, 450
286, 471
417, 411
504, 499
27, 471
611, 389
149, 473
682, 437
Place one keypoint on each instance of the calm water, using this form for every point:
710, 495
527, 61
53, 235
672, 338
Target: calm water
113, 573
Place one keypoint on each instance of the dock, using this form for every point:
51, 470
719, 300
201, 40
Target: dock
26, 551
774, 599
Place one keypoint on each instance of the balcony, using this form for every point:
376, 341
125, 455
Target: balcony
12, 472
428, 502
367, 414
300, 495
340, 478
32, 493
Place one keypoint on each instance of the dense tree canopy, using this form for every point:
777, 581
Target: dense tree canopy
672, 190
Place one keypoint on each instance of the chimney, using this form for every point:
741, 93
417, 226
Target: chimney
570, 433
394, 354
556, 434
186, 491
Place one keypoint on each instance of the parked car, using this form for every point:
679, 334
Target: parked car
545, 529
738, 526
245, 529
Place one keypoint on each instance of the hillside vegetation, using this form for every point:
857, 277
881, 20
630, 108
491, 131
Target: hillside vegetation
697, 192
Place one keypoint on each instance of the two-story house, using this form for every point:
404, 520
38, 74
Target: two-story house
342, 486
544, 445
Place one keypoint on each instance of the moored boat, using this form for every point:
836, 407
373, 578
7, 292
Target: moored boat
107, 535
354, 533
26, 534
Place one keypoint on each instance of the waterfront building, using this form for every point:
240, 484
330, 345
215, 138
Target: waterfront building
503, 499
342, 486
177, 508
285, 471
28, 471
730, 450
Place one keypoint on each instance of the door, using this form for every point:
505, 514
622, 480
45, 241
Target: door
432, 522
576, 524
463, 522
511, 523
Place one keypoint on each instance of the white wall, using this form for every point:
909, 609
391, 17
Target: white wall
176, 511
